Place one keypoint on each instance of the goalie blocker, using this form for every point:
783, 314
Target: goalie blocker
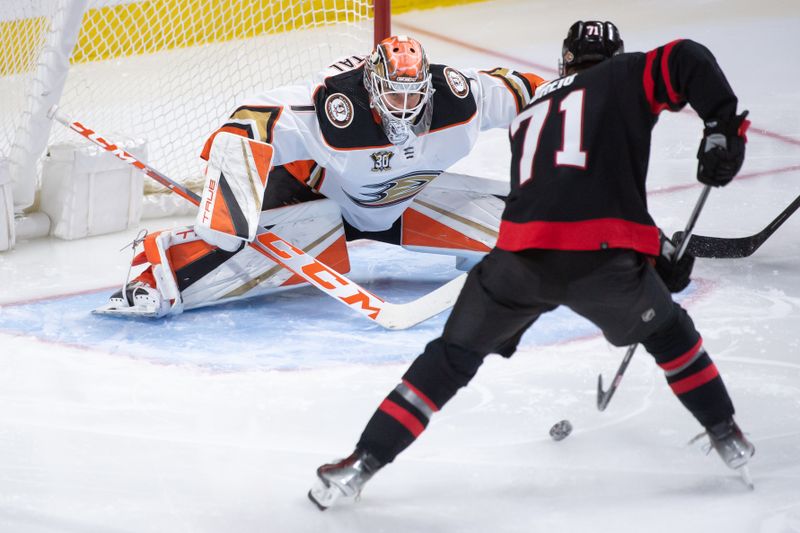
236, 178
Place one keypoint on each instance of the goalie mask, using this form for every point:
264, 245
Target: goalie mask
589, 42
398, 79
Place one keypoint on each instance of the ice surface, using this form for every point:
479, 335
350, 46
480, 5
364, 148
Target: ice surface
214, 421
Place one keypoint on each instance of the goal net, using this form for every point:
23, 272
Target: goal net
163, 71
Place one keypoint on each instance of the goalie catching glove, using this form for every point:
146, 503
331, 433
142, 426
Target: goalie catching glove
675, 275
721, 151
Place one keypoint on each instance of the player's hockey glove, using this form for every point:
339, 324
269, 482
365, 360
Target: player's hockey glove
721, 152
676, 276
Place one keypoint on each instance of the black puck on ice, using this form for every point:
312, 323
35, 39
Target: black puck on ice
561, 430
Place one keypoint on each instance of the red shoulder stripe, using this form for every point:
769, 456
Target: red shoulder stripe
649, 85
673, 96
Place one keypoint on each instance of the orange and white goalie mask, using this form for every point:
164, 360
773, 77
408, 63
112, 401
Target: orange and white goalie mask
398, 79
236, 178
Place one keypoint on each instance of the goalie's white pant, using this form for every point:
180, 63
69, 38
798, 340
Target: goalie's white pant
190, 273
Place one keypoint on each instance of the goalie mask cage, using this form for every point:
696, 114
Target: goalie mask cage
163, 71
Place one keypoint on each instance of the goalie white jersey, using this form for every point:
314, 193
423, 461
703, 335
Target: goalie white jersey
329, 138
333, 176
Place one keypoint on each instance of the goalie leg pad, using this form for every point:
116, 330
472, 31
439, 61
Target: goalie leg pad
189, 273
206, 275
465, 182
236, 178
462, 223
315, 227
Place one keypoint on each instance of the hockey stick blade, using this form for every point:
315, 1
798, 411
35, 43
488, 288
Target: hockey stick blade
724, 248
314, 271
603, 397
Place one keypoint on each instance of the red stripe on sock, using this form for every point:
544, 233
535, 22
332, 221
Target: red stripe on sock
695, 380
405, 418
682, 359
421, 396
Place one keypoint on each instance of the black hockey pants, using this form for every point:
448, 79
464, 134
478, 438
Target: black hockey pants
617, 290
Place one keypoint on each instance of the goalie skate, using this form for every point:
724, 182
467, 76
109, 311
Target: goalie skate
140, 299
343, 480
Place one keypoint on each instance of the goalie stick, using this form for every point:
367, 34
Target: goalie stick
603, 397
272, 246
729, 248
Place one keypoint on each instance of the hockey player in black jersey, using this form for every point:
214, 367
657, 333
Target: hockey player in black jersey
576, 231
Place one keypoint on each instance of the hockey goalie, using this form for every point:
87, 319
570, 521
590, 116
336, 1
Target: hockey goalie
359, 153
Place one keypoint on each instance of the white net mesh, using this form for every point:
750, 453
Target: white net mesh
23, 27
168, 71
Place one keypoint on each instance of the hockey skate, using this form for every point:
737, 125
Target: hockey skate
732, 446
140, 299
343, 479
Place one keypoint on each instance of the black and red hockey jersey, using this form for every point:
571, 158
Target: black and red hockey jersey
580, 150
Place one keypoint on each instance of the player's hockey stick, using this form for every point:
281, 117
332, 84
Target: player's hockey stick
726, 248
603, 397
332, 283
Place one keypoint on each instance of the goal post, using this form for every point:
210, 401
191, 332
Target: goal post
382, 21
160, 71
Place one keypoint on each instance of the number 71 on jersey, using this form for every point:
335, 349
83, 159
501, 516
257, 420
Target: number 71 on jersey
531, 123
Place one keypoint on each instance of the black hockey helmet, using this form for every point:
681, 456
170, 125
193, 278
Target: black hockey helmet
589, 41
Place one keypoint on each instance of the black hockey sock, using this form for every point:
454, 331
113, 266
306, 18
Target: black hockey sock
701, 390
433, 378
691, 374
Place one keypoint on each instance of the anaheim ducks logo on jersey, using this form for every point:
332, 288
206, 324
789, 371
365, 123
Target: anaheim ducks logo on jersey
339, 110
394, 191
457, 82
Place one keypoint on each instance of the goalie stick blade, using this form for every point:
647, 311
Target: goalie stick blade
403, 316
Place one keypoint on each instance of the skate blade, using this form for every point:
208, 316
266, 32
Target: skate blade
744, 471
324, 496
